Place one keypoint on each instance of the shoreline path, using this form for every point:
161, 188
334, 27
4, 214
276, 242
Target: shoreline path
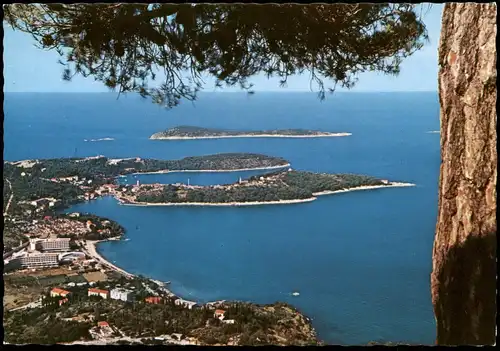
10, 198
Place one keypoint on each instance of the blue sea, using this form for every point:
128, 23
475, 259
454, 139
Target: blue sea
360, 260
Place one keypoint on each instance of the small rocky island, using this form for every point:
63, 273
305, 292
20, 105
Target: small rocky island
191, 132
281, 187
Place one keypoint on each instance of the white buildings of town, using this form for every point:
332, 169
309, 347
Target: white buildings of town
122, 294
185, 303
44, 203
219, 314
40, 202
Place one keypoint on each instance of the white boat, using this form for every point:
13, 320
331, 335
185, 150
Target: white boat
295, 293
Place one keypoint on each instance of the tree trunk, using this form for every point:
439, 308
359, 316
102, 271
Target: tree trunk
463, 281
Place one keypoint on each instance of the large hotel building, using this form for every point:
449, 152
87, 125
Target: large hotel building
37, 260
60, 244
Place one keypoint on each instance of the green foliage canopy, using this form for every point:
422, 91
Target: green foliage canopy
126, 45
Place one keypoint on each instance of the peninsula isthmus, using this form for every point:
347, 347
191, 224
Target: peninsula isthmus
191, 132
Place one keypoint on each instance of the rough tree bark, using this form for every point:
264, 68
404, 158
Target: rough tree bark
463, 280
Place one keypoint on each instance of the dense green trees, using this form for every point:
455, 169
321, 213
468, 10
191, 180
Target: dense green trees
39, 326
281, 185
100, 169
315, 182
29, 188
226, 195
193, 132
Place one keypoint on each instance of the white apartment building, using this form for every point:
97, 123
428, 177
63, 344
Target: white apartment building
60, 244
122, 294
185, 303
38, 260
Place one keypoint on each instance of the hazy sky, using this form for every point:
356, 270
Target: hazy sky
28, 69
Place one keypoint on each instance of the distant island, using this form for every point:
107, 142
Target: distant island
190, 132
282, 187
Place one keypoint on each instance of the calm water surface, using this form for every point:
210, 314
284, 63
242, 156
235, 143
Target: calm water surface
361, 260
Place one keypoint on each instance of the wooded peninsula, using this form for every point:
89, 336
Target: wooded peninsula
281, 186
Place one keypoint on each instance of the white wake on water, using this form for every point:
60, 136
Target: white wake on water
100, 139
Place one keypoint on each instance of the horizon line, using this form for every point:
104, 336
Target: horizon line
223, 92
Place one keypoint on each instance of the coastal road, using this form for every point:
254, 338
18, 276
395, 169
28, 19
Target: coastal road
10, 198
90, 249
16, 249
107, 341
35, 304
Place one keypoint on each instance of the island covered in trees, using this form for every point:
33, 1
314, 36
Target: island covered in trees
191, 132
279, 187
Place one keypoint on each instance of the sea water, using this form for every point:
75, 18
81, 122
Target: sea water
360, 260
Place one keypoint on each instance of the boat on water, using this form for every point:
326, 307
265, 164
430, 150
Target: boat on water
295, 293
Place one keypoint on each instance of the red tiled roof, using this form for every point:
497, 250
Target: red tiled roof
62, 301
103, 324
153, 299
220, 311
99, 291
60, 291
